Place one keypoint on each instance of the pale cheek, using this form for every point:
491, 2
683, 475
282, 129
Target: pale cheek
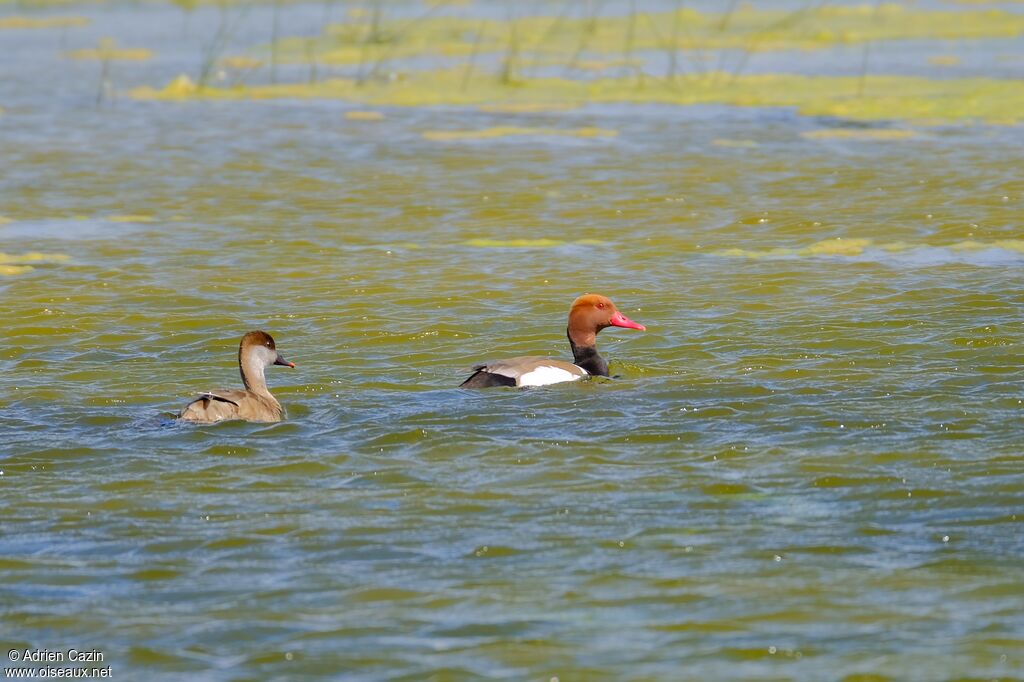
543, 376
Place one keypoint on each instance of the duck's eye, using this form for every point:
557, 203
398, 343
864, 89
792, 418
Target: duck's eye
600, 305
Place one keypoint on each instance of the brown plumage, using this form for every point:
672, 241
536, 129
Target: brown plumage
256, 352
588, 315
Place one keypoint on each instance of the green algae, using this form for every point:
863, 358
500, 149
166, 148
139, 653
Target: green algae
874, 98
876, 134
108, 50
24, 22
19, 264
364, 116
605, 59
185, 5
526, 243
563, 39
825, 363
515, 131
853, 247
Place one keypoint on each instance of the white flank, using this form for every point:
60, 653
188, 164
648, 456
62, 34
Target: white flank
543, 375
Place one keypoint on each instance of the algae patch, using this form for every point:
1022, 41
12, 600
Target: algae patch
873, 98
827, 247
592, 41
610, 57
364, 116
525, 108
108, 50
241, 63
836, 247
131, 218
734, 144
1016, 245
513, 131
18, 264
526, 243
856, 247
876, 134
19, 22
181, 87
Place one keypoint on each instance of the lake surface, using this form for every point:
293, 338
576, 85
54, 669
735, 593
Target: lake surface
810, 465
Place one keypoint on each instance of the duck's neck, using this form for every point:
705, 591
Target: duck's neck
252, 375
585, 355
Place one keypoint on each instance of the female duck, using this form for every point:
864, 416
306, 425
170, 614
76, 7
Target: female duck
589, 315
256, 352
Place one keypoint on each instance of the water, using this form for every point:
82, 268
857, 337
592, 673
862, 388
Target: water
808, 467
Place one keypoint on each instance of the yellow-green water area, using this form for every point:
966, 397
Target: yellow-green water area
130, 218
871, 98
856, 246
30, 22
565, 36
19, 264
808, 467
108, 50
364, 115
515, 131
184, 5
526, 243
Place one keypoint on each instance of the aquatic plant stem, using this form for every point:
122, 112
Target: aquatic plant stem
555, 25
310, 45
220, 41
104, 80
727, 16
862, 81
591, 12
470, 63
508, 67
275, 27
394, 40
791, 18
673, 48
627, 48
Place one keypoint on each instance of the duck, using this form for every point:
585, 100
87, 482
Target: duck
588, 315
256, 352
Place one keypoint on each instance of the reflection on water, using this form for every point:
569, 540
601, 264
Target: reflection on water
808, 466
